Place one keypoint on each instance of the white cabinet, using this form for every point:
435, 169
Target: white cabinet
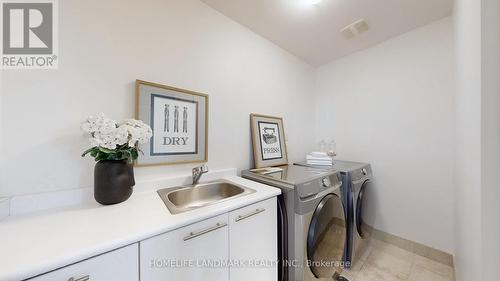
187, 253
118, 265
253, 240
237, 246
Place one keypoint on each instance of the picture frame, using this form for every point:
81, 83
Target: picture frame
179, 120
268, 141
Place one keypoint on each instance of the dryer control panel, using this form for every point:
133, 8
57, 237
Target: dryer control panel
363, 172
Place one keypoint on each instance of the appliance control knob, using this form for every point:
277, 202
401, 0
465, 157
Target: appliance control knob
325, 182
365, 172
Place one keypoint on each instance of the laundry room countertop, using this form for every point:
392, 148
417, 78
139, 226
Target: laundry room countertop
35, 243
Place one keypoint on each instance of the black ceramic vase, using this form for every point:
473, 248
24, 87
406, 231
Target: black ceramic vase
113, 181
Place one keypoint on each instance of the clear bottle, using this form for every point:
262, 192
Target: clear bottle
322, 146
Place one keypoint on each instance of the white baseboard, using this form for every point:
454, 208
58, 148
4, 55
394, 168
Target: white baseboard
411, 246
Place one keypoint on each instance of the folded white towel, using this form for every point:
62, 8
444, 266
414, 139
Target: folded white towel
319, 159
316, 158
319, 163
318, 154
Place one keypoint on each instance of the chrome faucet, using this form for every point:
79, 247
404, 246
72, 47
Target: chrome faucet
198, 172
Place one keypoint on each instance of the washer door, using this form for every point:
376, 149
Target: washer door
361, 225
326, 237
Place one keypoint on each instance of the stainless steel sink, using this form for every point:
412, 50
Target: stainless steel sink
186, 198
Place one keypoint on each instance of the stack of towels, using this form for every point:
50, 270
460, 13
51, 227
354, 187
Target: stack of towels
319, 159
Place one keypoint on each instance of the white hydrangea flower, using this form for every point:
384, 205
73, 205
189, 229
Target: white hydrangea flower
105, 132
133, 132
121, 135
89, 125
94, 141
133, 123
105, 140
99, 123
106, 126
139, 131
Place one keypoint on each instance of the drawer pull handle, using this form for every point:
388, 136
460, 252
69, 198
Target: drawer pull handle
84, 278
257, 211
196, 234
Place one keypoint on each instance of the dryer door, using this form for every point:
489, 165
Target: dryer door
327, 237
363, 217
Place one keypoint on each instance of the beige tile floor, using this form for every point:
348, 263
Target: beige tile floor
385, 262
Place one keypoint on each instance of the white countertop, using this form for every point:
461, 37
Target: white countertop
35, 243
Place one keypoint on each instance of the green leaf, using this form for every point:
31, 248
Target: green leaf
123, 152
134, 154
87, 151
99, 156
106, 150
126, 154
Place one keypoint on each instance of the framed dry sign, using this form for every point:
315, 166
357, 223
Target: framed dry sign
179, 119
268, 138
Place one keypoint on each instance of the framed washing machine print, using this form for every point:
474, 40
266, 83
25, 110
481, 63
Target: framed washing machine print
268, 139
179, 120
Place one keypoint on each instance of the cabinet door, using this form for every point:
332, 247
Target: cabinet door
254, 242
118, 265
189, 253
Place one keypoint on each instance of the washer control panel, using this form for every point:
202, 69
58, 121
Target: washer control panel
326, 182
313, 187
333, 180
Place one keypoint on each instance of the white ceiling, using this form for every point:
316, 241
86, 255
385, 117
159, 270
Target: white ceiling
312, 32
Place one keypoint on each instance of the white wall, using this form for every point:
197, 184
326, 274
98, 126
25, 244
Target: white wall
1, 136
490, 139
105, 46
392, 105
467, 17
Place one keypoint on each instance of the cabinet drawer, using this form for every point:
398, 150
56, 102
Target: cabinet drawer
258, 211
185, 253
118, 265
